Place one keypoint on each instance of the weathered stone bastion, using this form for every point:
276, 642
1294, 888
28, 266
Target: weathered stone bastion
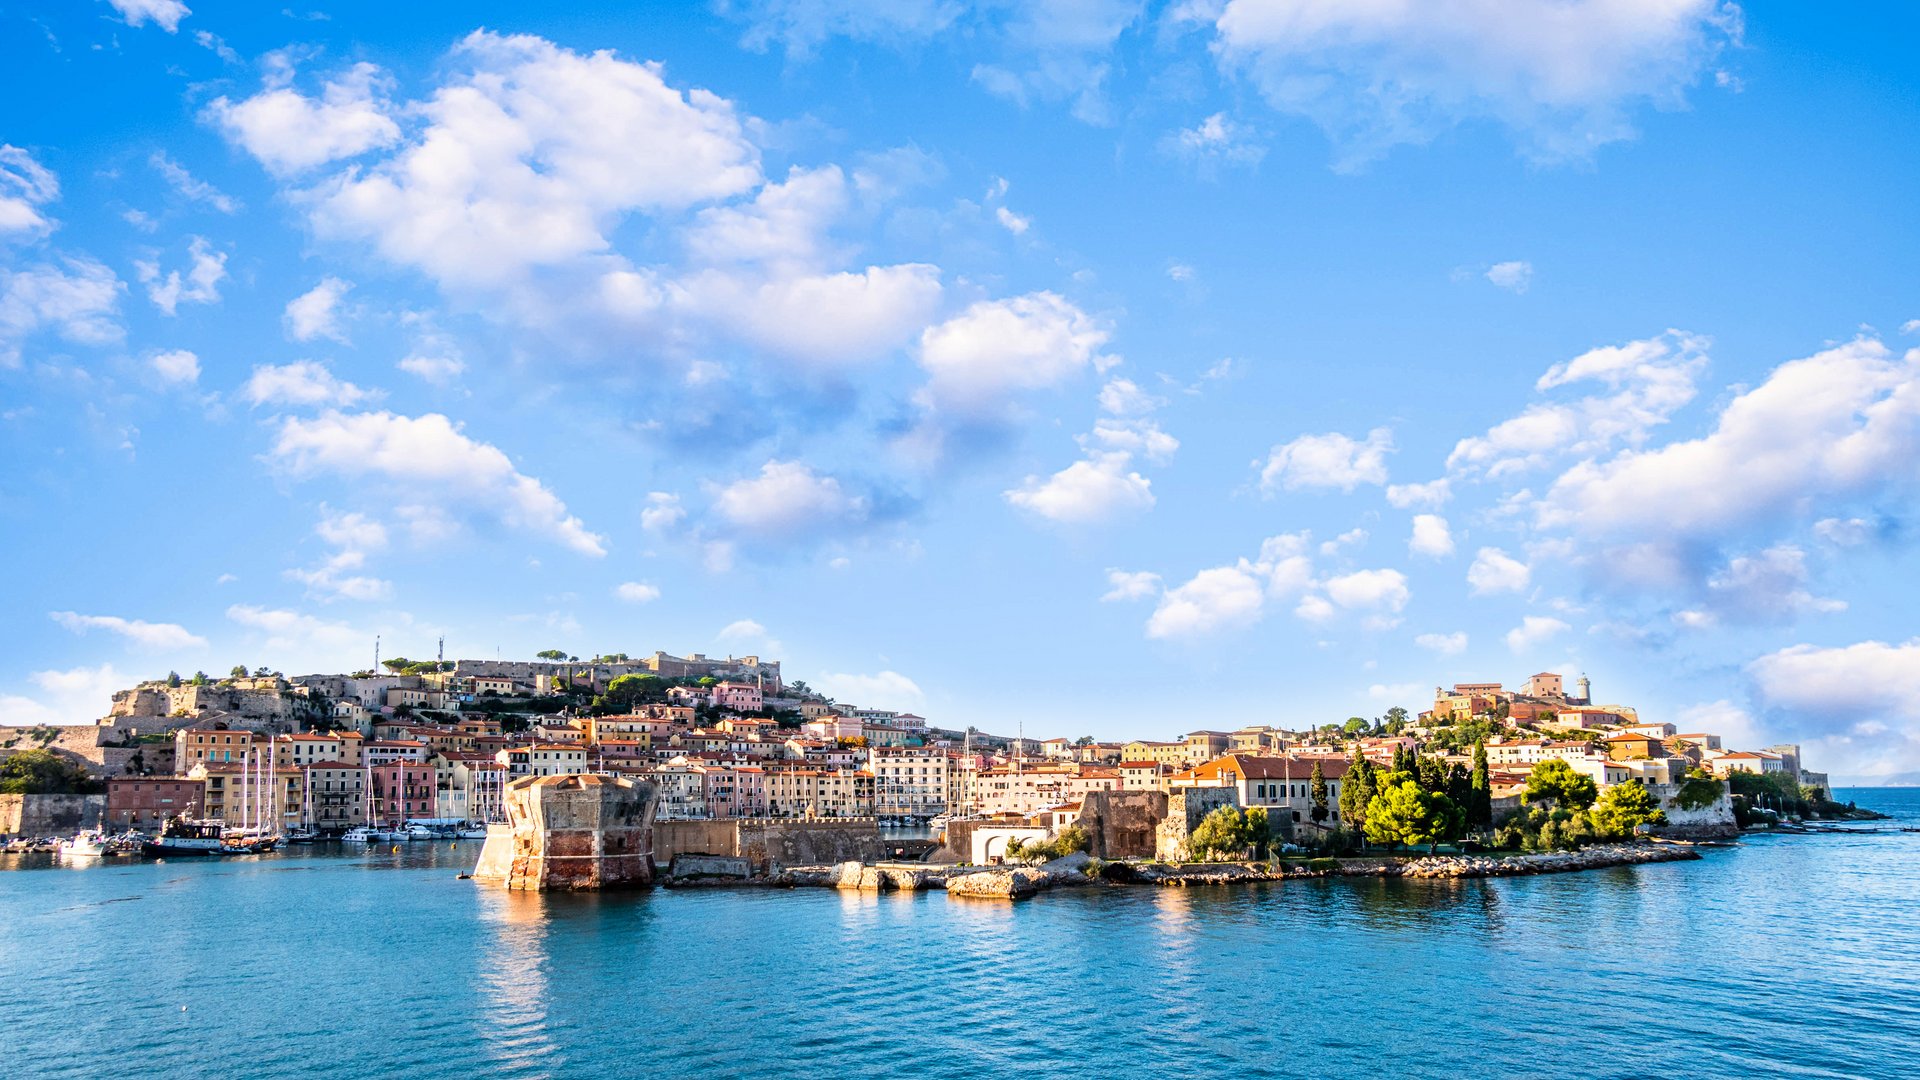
572, 832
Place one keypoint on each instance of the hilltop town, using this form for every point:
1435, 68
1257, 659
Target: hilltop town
436, 742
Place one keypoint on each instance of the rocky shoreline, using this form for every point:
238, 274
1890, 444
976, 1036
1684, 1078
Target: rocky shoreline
1078, 871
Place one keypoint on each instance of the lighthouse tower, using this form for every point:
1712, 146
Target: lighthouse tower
1586, 690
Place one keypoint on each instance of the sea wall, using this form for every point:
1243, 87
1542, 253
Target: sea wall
50, 815
769, 844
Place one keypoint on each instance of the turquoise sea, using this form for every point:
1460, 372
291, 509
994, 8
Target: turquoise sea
1782, 956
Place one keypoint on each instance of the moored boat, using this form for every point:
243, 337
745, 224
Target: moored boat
84, 844
181, 836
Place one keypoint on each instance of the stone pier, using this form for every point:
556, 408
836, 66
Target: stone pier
585, 831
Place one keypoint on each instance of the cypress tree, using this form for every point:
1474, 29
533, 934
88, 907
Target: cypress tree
1318, 790
1480, 801
1355, 791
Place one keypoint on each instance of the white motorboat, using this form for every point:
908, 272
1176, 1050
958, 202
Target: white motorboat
359, 834
474, 832
84, 845
420, 832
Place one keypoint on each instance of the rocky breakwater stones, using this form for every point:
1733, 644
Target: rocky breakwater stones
1460, 866
1016, 884
853, 875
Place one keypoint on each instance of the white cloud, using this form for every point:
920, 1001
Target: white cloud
199, 285
1225, 597
165, 14
291, 632
1125, 585
430, 453
1327, 461
787, 498
742, 630
1513, 276
1184, 272
1819, 432
25, 186
1854, 708
1445, 644
996, 347
830, 321
1533, 631
1217, 140
1134, 437
1374, 590
1088, 491
1769, 585
316, 312
437, 369
802, 25
1846, 532
76, 696
1494, 571
175, 365
662, 512
80, 302
1394, 692
290, 132
353, 531
1431, 536
305, 383
1230, 597
1011, 221
1868, 680
1431, 495
1733, 724
1563, 77
156, 636
1123, 397
885, 690
352, 536
190, 187
636, 592
1647, 381
1351, 538
785, 224
530, 155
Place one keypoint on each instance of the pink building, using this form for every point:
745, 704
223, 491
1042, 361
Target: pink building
402, 791
740, 697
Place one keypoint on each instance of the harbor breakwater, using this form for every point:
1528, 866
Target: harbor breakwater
1074, 871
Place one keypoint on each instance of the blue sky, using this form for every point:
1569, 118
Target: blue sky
1111, 368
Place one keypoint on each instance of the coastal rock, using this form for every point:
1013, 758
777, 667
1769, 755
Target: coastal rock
905, 880
999, 884
1464, 866
846, 875
1069, 869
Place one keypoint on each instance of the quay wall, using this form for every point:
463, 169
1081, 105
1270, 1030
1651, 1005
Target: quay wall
769, 843
50, 815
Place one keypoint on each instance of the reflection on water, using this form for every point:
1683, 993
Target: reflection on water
513, 981
1785, 955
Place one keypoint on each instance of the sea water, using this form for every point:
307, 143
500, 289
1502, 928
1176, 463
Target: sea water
1781, 956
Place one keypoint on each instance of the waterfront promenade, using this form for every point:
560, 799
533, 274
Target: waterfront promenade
1784, 954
